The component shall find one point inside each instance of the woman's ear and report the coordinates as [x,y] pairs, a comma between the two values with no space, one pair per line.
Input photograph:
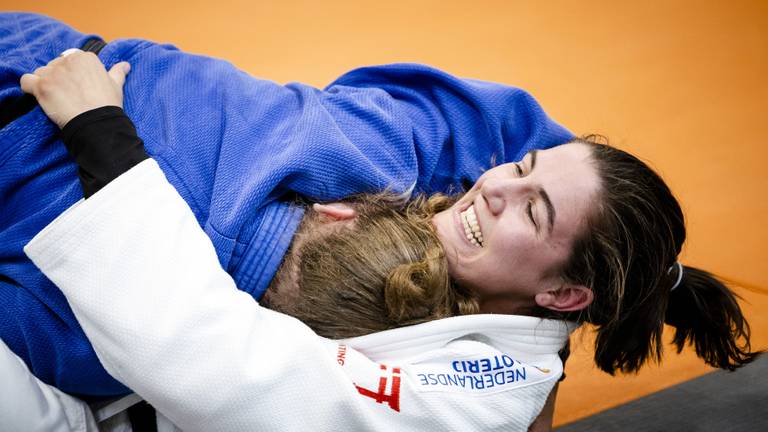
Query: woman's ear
[567,298]
[335,211]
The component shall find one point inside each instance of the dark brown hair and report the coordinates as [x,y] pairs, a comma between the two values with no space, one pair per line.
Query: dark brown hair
[627,256]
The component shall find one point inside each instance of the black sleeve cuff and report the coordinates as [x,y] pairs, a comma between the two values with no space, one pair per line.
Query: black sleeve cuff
[104,143]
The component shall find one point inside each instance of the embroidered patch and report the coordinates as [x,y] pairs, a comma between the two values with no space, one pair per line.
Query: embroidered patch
[380,394]
[376,381]
[471,375]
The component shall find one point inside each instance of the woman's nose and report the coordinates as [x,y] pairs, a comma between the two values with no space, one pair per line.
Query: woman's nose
[501,192]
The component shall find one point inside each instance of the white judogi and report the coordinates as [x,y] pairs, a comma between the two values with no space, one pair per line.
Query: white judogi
[28,404]
[165,319]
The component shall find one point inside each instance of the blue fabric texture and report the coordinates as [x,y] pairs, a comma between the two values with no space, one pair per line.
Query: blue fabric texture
[236,147]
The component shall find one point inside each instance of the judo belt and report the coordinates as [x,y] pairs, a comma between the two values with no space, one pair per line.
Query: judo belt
[12,108]
[142,417]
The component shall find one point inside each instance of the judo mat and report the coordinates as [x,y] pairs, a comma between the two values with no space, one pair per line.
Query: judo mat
[642,73]
[718,401]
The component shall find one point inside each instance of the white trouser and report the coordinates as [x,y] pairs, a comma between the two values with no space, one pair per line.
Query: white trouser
[30,405]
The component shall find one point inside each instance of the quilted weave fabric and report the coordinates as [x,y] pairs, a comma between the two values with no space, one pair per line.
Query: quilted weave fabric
[238,149]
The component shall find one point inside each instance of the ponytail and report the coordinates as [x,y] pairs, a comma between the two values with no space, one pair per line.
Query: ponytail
[707,316]
[635,233]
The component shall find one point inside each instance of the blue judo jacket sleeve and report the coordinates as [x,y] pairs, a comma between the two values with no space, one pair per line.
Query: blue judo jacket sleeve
[457,126]
[239,140]
[235,147]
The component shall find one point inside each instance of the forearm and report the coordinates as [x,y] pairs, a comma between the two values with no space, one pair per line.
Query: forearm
[158,313]
[456,126]
[104,143]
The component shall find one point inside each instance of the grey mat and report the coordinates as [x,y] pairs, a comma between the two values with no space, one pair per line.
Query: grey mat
[719,401]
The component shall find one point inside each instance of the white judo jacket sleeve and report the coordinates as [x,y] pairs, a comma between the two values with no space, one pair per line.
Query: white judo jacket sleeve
[165,319]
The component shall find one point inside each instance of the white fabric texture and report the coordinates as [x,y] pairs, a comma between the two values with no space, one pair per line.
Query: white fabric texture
[28,404]
[165,319]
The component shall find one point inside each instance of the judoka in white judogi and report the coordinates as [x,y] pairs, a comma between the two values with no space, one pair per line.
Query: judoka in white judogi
[165,319]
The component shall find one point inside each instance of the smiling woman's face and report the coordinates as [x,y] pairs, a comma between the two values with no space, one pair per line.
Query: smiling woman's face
[507,236]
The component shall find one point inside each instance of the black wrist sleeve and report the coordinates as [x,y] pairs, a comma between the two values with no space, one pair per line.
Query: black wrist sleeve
[104,143]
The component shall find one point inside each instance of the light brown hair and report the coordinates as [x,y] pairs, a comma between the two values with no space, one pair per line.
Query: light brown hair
[387,269]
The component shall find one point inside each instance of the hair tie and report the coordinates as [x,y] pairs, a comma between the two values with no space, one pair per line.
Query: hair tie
[679,274]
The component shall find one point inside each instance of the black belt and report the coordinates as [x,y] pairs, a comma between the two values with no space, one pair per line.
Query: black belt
[12,108]
[143,417]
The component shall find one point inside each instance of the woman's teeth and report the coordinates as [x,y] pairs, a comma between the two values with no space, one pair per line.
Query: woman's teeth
[471,227]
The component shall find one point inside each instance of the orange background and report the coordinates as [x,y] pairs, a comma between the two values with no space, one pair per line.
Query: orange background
[680,83]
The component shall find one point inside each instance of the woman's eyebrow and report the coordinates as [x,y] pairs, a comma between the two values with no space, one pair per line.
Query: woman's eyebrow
[550,210]
[545,197]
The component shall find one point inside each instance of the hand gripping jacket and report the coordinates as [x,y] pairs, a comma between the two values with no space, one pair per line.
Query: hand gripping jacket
[236,148]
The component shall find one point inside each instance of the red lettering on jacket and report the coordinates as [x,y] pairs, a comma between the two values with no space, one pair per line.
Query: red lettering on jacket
[392,399]
[341,355]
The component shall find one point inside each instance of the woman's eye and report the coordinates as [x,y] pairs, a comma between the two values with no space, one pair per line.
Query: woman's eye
[519,170]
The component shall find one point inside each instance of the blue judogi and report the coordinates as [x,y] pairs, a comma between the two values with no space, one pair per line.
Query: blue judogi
[236,148]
